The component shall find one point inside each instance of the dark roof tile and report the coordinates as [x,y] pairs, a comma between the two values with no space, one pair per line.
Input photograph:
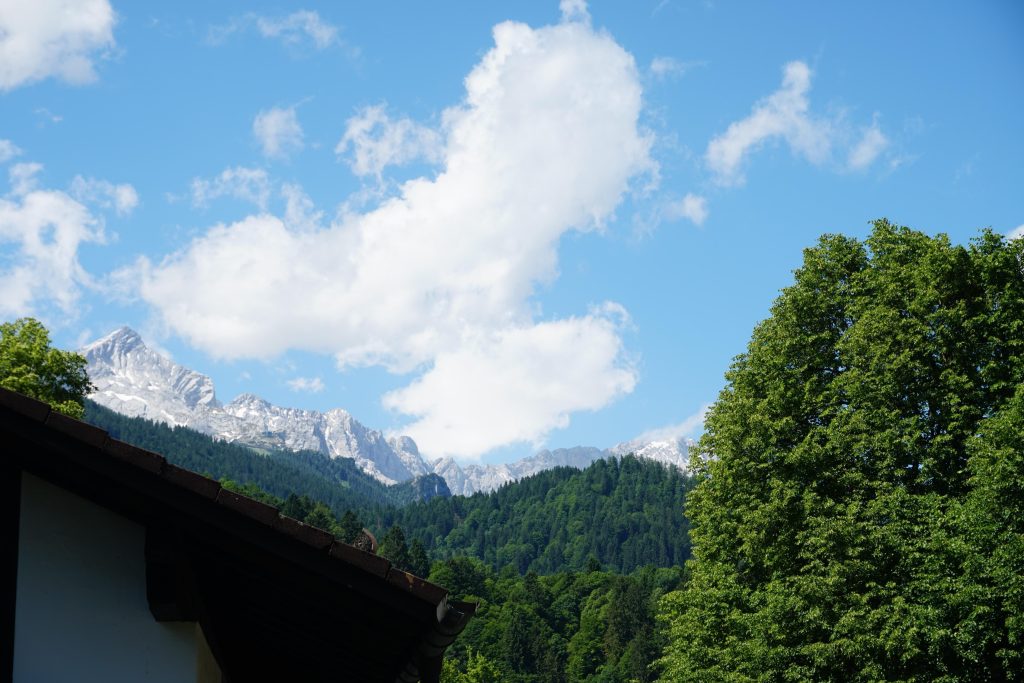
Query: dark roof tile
[197,483]
[139,457]
[360,558]
[82,431]
[310,535]
[416,585]
[261,512]
[29,407]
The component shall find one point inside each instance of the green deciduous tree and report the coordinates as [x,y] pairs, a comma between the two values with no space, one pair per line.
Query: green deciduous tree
[29,365]
[853,475]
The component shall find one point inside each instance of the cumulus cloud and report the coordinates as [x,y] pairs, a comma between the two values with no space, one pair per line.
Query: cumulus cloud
[247,184]
[313,385]
[439,277]
[278,132]
[122,198]
[58,38]
[8,150]
[785,115]
[521,382]
[40,233]
[1016,233]
[691,207]
[374,141]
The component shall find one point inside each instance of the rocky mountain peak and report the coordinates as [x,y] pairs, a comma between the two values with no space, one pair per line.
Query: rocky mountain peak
[134,380]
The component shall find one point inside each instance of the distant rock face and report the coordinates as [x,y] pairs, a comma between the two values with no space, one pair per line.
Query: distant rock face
[134,380]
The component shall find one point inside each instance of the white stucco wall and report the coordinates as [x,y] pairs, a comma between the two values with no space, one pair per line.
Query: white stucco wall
[81,611]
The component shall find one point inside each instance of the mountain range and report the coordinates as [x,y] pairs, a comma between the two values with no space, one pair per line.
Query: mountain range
[135,380]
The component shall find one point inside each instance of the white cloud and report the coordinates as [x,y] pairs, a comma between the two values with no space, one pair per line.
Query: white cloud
[574,10]
[1016,233]
[515,385]
[278,132]
[59,38]
[247,184]
[40,233]
[313,385]
[872,143]
[47,116]
[691,207]
[668,67]
[298,27]
[688,427]
[439,276]
[662,67]
[783,114]
[376,142]
[300,214]
[23,177]
[122,198]
[8,150]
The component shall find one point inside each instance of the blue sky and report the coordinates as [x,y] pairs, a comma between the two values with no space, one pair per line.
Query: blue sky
[494,227]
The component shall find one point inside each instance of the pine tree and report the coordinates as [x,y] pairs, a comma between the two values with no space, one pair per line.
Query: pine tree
[394,548]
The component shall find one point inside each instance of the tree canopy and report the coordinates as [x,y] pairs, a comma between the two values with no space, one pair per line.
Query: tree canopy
[858,515]
[31,366]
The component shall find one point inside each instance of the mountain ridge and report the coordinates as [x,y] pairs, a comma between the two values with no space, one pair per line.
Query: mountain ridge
[136,381]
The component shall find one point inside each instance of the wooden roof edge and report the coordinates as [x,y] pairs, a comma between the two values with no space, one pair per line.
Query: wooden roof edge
[265,515]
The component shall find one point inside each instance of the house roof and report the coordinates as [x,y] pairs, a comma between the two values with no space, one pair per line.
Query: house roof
[276,598]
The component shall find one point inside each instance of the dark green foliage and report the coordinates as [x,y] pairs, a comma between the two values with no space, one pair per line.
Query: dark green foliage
[571,626]
[858,514]
[30,366]
[393,547]
[322,518]
[622,514]
[349,526]
[296,507]
[419,563]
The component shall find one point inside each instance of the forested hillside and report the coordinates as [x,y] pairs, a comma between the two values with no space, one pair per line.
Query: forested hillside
[625,512]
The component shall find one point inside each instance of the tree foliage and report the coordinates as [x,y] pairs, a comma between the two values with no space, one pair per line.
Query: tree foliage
[31,366]
[858,511]
[590,626]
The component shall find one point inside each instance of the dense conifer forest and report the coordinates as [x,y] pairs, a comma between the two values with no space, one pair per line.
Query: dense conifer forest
[626,512]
